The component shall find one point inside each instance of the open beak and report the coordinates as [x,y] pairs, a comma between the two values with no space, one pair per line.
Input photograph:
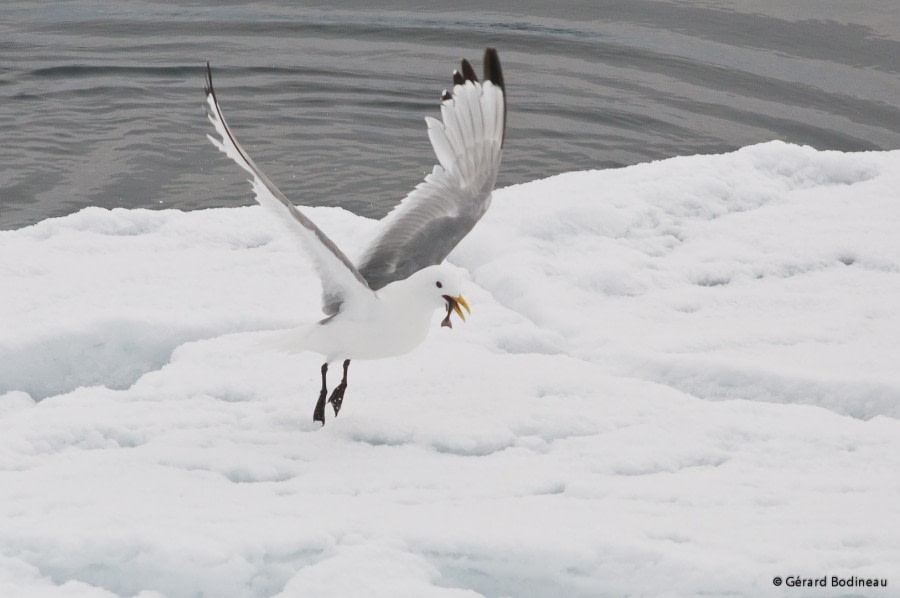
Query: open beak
[453,304]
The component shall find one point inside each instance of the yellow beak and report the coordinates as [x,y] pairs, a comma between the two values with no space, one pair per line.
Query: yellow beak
[460,301]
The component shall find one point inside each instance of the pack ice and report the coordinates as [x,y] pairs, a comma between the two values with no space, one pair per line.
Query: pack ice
[679,378]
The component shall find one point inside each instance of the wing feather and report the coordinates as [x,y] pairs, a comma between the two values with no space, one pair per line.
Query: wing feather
[451,126]
[443,149]
[425,227]
[341,281]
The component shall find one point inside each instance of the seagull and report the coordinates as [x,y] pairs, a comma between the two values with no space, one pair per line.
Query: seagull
[384,305]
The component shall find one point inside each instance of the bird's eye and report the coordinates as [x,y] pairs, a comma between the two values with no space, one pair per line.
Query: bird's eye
[439,285]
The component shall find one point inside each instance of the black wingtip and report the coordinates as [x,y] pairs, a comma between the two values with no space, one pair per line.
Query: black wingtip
[446,95]
[458,78]
[494,74]
[209,86]
[468,72]
[492,70]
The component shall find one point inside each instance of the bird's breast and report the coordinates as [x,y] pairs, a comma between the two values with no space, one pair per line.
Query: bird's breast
[383,333]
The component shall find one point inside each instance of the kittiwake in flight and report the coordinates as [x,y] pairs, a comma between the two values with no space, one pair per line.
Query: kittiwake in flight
[383,306]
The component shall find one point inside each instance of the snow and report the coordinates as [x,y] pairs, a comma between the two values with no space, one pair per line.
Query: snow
[678,378]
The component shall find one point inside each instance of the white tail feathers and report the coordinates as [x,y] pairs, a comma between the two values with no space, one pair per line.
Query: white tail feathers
[291,341]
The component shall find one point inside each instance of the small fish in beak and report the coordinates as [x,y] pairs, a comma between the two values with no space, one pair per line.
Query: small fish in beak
[453,304]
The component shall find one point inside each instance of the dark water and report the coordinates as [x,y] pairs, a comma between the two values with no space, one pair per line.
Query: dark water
[101,101]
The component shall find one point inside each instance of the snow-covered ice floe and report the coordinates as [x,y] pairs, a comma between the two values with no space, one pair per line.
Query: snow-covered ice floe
[679,378]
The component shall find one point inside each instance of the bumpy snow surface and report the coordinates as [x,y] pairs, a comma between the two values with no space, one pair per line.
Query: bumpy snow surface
[679,378]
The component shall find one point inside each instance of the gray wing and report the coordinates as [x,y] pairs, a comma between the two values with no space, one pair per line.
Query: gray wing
[341,281]
[425,227]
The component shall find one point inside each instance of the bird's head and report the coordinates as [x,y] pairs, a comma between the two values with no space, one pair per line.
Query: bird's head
[443,286]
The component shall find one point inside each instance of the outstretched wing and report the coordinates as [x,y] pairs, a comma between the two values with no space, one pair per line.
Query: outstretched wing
[423,229]
[341,281]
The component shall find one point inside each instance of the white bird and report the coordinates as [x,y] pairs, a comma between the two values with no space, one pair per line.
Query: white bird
[383,306]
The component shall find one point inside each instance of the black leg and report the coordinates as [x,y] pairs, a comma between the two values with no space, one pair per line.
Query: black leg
[319,413]
[337,396]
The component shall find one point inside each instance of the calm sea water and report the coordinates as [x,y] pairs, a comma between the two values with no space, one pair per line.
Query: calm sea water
[101,102]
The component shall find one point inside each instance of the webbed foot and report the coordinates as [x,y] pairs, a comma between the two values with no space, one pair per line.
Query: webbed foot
[337,395]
